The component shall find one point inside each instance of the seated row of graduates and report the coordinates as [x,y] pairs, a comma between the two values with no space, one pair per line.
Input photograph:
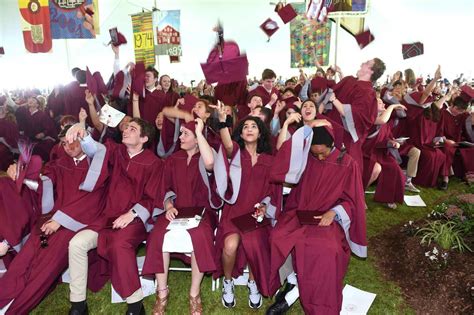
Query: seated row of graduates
[143,194]
[231,257]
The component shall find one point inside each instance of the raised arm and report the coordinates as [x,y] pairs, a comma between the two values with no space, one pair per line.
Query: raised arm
[224,130]
[283,136]
[173,113]
[385,116]
[429,88]
[204,147]
[92,112]
[135,106]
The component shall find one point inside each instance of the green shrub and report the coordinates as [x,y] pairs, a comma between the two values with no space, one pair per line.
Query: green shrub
[445,233]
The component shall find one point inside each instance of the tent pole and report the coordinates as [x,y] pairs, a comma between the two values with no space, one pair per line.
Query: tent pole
[338,26]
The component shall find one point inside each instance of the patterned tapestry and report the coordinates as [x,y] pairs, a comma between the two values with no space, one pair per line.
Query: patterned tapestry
[166,26]
[74,18]
[143,38]
[34,17]
[307,36]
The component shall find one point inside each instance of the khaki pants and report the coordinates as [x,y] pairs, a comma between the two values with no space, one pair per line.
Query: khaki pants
[79,245]
[412,165]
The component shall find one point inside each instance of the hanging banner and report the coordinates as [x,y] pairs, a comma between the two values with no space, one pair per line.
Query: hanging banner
[143,38]
[166,30]
[74,18]
[35,26]
[306,37]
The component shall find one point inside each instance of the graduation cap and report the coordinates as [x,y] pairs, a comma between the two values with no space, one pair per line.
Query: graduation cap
[286,12]
[101,87]
[190,126]
[91,83]
[110,116]
[412,50]
[467,93]
[225,64]
[116,38]
[189,102]
[2,51]
[138,79]
[269,27]
[319,84]
[364,38]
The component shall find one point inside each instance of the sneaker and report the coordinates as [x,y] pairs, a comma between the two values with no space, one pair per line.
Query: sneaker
[255,298]
[443,185]
[392,206]
[411,187]
[228,297]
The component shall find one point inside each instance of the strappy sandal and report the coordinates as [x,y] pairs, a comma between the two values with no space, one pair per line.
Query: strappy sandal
[195,305]
[160,304]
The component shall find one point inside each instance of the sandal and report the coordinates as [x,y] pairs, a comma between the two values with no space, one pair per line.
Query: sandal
[160,304]
[195,305]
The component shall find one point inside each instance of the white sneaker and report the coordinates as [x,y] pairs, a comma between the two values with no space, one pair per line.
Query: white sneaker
[411,187]
[255,298]
[228,297]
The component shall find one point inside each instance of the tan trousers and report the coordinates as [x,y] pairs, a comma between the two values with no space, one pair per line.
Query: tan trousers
[412,165]
[79,245]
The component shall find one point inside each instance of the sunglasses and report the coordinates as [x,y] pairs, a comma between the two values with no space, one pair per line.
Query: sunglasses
[43,240]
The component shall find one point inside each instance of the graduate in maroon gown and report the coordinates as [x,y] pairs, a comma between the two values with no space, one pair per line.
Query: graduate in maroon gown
[73,94]
[71,192]
[423,116]
[381,159]
[55,104]
[8,137]
[267,90]
[455,126]
[186,110]
[329,182]
[152,104]
[243,182]
[19,208]
[39,127]
[133,185]
[57,151]
[186,184]
[170,95]
[356,106]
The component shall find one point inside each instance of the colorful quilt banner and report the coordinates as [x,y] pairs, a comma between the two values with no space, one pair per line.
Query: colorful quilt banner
[35,25]
[166,26]
[143,38]
[74,18]
[306,37]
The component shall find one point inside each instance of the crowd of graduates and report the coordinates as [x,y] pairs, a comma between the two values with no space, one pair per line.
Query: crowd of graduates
[270,173]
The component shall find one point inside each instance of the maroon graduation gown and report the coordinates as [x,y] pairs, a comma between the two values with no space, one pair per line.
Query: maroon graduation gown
[8,143]
[74,194]
[422,131]
[266,97]
[150,106]
[321,253]
[188,186]
[391,182]
[241,186]
[40,122]
[75,99]
[18,211]
[360,109]
[56,103]
[454,128]
[133,183]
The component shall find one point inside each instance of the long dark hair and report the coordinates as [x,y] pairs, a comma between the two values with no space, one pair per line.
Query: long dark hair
[263,142]
[432,113]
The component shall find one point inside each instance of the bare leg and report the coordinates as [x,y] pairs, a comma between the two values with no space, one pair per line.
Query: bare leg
[231,243]
[162,278]
[375,173]
[196,277]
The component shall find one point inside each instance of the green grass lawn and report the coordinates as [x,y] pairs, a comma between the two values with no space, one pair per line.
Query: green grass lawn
[361,274]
